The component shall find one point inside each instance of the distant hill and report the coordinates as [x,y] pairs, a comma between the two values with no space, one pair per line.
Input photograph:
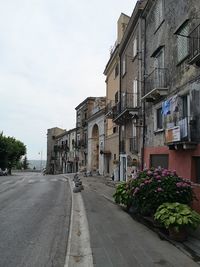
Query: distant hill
[38,164]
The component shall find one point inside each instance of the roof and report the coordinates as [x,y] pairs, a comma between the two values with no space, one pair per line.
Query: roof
[84,101]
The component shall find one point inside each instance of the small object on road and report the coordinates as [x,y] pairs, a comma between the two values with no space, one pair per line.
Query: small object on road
[78,183]
[77,189]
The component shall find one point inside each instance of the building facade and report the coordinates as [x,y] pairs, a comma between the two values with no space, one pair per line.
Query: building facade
[96,137]
[61,151]
[129,114]
[112,73]
[172,87]
[83,112]
[52,161]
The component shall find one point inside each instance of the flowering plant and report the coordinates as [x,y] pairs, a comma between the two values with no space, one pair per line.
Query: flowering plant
[122,195]
[157,186]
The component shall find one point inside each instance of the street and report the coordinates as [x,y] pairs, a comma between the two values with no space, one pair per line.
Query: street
[35,212]
[119,241]
[34,220]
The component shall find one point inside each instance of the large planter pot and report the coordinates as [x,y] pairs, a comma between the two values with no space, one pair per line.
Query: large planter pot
[179,236]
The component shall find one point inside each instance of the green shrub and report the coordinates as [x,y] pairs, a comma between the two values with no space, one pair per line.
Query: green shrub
[123,195]
[177,215]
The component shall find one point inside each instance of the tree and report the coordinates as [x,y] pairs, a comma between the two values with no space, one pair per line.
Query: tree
[25,163]
[11,151]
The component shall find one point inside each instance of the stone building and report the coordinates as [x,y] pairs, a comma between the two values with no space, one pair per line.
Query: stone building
[61,151]
[83,111]
[72,157]
[112,73]
[172,86]
[96,137]
[129,109]
[52,163]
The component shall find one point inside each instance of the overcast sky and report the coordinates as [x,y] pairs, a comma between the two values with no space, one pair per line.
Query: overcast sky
[52,56]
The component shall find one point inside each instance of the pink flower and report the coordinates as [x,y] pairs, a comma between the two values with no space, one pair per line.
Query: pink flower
[136,190]
[158,177]
[159,189]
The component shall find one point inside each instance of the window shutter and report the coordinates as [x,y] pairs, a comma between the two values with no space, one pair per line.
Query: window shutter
[182,43]
[135,47]
[135,93]
[124,66]
[158,13]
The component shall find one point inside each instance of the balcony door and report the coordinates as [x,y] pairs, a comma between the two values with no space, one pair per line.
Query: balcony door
[159,65]
[123,167]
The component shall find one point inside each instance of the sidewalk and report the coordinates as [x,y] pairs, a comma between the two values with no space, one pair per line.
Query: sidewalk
[104,187]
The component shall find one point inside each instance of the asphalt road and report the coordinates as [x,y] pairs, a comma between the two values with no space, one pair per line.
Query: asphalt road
[34,220]
[119,241]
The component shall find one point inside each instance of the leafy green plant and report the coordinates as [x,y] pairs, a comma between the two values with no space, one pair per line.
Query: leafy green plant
[122,195]
[177,215]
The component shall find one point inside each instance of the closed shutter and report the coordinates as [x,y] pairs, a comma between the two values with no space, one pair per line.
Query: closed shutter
[182,43]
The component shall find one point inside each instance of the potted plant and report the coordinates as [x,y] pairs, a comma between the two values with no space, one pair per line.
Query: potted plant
[177,217]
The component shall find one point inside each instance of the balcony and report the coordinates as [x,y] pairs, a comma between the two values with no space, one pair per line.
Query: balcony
[133,144]
[156,85]
[183,135]
[194,44]
[128,108]
[110,109]
[81,144]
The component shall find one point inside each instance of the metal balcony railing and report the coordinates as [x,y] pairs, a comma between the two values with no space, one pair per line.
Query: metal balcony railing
[133,144]
[194,44]
[129,101]
[157,79]
[109,108]
[116,110]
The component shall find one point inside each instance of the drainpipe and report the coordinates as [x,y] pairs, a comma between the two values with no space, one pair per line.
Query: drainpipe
[120,71]
[143,105]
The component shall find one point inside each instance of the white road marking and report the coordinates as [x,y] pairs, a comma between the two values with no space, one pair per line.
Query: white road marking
[54,180]
[7,182]
[79,253]
[31,181]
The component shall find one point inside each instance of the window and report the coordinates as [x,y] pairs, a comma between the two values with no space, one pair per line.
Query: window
[159,58]
[182,42]
[158,13]
[157,160]
[114,129]
[116,97]
[116,70]
[159,119]
[123,65]
[134,47]
[135,93]
[159,64]
[134,131]
[185,106]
